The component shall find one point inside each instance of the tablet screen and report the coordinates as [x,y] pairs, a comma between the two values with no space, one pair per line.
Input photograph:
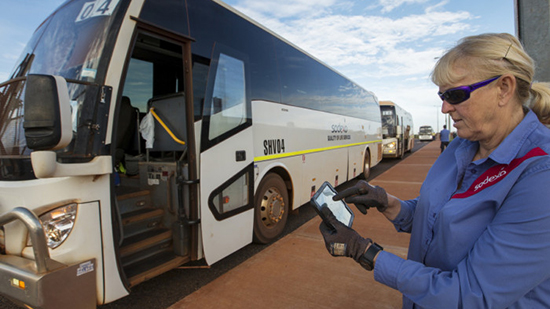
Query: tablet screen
[339,208]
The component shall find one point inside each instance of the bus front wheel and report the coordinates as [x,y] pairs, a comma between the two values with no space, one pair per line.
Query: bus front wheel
[271,207]
[401,149]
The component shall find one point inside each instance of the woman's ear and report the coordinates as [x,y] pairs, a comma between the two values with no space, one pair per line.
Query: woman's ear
[507,88]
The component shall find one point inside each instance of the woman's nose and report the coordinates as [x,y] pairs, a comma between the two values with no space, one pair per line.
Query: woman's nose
[446,107]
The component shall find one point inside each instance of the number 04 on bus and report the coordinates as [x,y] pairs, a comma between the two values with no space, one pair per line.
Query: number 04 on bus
[137,136]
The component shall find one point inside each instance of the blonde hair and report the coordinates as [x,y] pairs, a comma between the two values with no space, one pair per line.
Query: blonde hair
[492,54]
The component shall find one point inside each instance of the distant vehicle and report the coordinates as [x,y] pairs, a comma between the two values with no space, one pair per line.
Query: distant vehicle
[397,125]
[426,133]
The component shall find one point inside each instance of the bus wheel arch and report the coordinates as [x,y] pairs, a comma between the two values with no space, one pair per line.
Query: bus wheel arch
[272,205]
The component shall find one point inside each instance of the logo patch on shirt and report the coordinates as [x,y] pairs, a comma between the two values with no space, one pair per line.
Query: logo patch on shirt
[496,173]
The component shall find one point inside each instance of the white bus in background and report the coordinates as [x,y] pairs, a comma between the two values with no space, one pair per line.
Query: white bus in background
[146,134]
[426,133]
[397,130]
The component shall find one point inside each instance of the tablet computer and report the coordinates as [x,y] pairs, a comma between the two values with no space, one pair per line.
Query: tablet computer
[340,209]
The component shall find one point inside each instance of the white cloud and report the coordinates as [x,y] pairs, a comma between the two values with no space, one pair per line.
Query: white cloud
[389,5]
[437,6]
[393,45]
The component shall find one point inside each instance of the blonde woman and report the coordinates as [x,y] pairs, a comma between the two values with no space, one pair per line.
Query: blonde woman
[480,228]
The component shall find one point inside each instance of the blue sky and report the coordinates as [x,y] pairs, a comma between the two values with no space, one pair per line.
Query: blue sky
[386,46]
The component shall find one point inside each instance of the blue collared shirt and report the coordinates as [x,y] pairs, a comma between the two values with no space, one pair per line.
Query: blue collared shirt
[444,135]
[480,231]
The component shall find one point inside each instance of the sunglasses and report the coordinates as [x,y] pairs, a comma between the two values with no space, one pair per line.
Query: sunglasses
[462,93]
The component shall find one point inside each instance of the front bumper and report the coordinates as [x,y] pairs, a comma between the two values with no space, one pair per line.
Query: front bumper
[43,282]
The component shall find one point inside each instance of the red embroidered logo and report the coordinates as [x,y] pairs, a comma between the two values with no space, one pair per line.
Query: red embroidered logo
[497,173]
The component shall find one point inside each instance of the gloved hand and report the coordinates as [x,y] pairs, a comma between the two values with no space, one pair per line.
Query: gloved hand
[364,196]
[340,240]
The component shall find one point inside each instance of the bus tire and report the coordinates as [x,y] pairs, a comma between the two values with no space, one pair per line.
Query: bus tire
[366,166]
[271,208]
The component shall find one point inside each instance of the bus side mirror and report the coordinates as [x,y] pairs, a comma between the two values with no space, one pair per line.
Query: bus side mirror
[47,120]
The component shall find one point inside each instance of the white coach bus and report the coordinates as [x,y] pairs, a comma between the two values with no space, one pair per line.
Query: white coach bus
[426,133]
[137,136]
[397,130]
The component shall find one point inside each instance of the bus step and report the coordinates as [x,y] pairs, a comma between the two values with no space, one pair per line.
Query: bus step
[137,257]
[141,220]
[140,215]
[144,241]
[133,201]
[153,266]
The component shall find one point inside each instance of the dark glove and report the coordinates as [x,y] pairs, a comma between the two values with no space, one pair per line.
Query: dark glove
[364,196]
[340,240]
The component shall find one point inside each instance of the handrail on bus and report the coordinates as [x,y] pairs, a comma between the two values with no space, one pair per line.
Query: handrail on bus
[177,140]
[33,224]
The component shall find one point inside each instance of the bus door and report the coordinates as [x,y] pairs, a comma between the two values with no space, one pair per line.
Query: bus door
[154,146]
[226,168]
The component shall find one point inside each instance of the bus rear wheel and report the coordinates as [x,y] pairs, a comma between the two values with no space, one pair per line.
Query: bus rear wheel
[366,167]
[271,207]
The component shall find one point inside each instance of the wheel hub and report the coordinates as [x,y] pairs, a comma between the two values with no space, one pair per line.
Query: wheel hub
[272,208]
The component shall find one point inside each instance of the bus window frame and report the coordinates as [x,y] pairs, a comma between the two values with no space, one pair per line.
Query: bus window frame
[249,173]
[206,142]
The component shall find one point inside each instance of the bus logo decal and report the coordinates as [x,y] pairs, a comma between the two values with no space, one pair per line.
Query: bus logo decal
[338,133]
[339,128]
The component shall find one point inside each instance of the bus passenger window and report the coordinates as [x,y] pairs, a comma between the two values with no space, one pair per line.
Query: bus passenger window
[228,105]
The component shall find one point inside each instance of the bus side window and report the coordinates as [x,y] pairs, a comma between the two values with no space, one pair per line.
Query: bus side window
[230,197]
[228,104]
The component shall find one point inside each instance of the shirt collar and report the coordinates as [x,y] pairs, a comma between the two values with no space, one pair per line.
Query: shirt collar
[512,144]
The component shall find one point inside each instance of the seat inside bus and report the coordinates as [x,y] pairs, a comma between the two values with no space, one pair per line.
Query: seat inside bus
[171,111]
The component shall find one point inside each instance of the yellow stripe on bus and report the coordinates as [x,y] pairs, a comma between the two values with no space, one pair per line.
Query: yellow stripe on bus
[296,153]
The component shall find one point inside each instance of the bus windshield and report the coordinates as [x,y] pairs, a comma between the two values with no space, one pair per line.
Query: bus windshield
[388,121]
[73,43]
[426,130]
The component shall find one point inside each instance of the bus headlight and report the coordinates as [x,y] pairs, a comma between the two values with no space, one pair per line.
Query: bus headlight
[390,145]
[58,224]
